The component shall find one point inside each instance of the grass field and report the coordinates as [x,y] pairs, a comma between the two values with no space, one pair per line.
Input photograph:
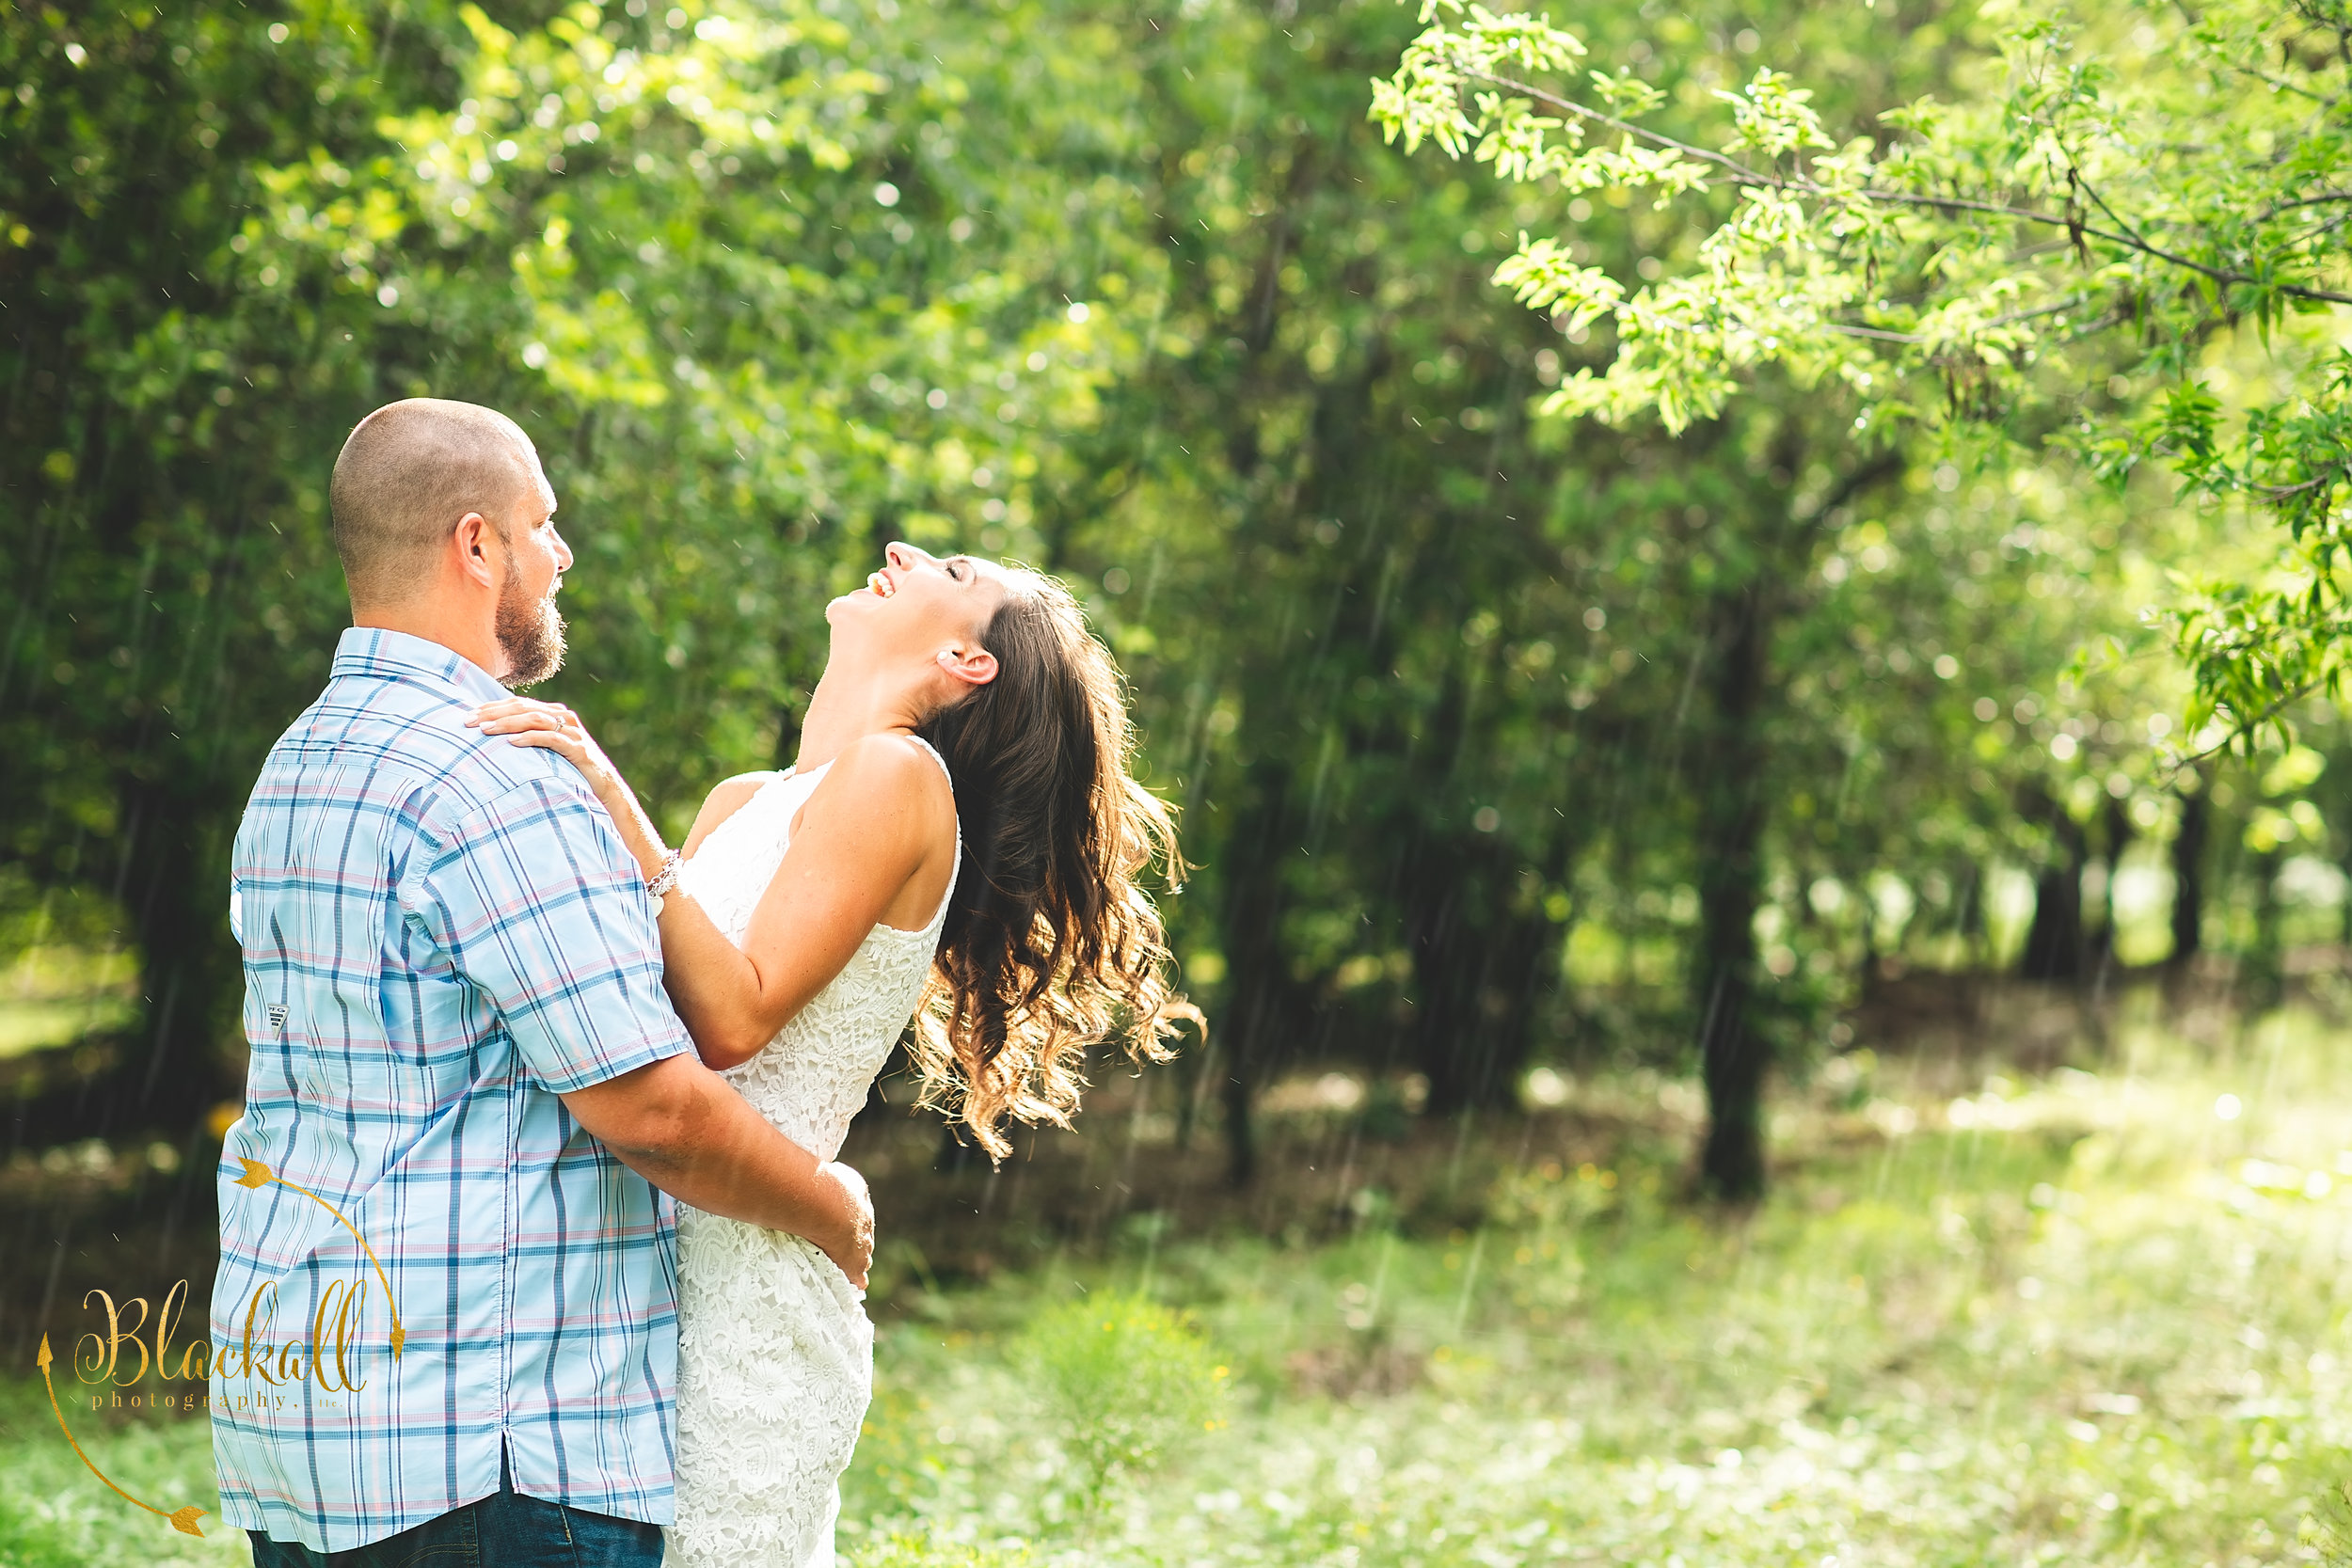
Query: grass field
[2096,1316]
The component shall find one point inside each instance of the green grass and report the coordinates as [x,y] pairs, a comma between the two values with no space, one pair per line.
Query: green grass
[55,1513]
[2081,1328]
[2080,1319]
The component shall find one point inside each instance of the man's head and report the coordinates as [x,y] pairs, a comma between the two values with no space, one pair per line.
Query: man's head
[444,519]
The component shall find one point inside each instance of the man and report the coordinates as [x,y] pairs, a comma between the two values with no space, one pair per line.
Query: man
[445,1319]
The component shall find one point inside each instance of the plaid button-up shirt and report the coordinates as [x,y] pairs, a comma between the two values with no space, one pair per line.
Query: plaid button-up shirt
[442,932]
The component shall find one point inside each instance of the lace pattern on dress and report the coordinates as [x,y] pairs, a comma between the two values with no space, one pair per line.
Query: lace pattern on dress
[776,1354]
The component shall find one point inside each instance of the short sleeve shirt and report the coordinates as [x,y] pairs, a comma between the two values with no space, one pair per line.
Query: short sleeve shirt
[442,932]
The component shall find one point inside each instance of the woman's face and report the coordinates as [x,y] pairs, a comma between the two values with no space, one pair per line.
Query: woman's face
[919,604]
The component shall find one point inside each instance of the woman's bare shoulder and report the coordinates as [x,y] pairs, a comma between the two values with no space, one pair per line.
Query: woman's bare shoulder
[887,796]
[724,801]
[893,761]
[881,776]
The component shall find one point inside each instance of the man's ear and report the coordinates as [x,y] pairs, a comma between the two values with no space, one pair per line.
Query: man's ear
[472,541]
[973,666]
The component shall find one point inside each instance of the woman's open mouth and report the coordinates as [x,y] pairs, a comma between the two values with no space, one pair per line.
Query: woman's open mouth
[881,585]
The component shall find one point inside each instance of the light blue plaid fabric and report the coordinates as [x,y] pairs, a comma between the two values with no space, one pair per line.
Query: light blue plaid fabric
[442,932]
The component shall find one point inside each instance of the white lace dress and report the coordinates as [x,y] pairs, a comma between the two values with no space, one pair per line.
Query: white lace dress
[776,1354]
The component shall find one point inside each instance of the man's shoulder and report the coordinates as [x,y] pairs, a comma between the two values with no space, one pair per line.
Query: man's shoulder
[408,743]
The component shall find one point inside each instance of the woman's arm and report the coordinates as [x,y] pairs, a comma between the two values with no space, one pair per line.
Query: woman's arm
[875,820]
[872,831]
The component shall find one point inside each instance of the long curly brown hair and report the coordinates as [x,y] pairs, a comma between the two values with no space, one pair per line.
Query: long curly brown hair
[1051,942]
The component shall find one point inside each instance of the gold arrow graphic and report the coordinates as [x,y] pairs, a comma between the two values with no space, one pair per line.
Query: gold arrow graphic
[184,1520]
[258,1174]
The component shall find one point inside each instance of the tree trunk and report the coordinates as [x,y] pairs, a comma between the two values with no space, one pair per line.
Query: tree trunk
[2189,875]
[1733,1053]
[2117,823]
[2057,943]
[191,972]
[2263,973]
[1478,970]
[1261,1011]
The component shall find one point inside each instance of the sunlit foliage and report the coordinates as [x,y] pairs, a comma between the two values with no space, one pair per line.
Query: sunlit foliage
[2072,223]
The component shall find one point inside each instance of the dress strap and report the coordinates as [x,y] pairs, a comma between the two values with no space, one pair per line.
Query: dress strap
[935,756]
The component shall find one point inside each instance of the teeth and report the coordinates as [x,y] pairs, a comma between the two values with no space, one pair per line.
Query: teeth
[881,585]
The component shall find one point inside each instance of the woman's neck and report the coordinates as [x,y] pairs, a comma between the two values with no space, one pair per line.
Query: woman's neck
[848,706]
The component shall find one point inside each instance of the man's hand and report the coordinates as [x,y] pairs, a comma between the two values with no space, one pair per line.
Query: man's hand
[856,1254]
[681,1127]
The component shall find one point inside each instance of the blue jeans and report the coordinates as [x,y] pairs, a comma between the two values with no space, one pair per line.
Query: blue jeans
[505,1531]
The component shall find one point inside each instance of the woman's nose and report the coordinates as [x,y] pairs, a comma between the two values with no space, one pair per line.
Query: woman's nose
[901,554]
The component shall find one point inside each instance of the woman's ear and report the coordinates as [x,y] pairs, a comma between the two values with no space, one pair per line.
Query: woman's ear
[973,665]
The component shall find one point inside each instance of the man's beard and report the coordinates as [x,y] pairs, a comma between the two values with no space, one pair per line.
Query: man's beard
[529,633]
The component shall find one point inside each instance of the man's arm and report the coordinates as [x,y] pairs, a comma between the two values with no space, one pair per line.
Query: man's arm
[679,1125]
[539,906]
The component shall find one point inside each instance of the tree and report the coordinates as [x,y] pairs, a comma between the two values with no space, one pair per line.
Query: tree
[166,403]
[737,276]
[2066,232]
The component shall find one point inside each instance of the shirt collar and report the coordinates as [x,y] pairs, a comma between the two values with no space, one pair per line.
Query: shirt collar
[374,652]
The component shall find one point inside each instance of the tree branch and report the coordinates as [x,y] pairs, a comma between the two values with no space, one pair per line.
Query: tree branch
[1743,175]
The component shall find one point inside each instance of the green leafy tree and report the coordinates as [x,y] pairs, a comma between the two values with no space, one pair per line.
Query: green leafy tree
[168,400]
[763,285]
[2072,228]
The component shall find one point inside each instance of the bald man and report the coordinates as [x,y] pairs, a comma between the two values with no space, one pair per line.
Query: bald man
[445,1303]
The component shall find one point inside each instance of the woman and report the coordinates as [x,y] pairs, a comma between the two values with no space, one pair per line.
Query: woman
[959,838]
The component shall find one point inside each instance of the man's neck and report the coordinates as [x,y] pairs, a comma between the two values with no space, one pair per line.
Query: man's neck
[434,623]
